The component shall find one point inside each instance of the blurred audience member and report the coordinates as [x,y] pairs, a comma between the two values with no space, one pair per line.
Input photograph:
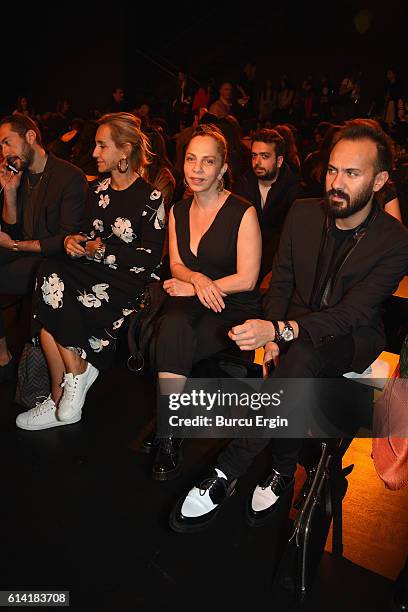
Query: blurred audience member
[23,107]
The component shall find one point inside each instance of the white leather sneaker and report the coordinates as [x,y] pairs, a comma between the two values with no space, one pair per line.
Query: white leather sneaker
[42,416]
[75,390]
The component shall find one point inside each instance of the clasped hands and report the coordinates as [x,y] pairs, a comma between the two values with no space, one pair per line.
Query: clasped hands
[73,246]
[200,285]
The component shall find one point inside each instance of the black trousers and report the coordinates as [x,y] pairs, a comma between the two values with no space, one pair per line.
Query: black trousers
[188,332]
[17,275]
[300,360]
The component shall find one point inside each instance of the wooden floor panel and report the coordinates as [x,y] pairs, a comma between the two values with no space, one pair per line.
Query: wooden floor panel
[375,519]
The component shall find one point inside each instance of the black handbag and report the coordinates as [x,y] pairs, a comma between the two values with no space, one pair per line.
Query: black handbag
[306,543]
[142,327]
[33,380]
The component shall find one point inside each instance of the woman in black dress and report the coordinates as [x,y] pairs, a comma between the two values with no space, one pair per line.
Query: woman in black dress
[215,254]
[83,301]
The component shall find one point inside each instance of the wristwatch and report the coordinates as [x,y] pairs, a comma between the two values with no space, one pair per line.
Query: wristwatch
[286,335]
[99,253]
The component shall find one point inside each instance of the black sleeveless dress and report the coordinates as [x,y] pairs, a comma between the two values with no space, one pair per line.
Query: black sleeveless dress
[189,332]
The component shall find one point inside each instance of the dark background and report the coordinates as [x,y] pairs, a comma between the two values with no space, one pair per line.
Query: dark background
[83,53]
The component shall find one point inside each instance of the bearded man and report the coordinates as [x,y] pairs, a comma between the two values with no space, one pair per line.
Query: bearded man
[271,187]
[43,201]
[338,261]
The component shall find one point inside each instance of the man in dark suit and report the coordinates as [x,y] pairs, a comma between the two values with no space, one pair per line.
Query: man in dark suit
[271,187]
[44,200]
[338,261]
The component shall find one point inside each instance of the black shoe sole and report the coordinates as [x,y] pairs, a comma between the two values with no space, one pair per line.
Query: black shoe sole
[183,527]
[169,475]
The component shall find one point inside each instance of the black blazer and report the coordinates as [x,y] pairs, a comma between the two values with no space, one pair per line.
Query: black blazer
[367,278]
[280,198]
[59,205]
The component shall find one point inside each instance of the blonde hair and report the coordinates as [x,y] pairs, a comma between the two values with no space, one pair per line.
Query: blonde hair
[125,129]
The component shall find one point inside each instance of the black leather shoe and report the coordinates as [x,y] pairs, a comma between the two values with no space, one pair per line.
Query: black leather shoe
[198,509]
[167,464]
[150,444]
[7,371]
[266,498]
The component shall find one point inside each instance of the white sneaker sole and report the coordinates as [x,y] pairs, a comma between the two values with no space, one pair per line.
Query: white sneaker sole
[48,425]
[68,414]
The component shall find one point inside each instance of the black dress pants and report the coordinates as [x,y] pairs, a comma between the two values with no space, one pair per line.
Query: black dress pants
[300,359]
[17,275]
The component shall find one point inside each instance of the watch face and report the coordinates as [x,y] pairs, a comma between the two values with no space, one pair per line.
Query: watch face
[287,334]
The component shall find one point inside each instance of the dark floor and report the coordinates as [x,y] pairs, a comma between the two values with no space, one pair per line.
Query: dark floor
[79,512]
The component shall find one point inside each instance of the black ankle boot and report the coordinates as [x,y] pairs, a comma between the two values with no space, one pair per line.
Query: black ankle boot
[150,443]
[167,464]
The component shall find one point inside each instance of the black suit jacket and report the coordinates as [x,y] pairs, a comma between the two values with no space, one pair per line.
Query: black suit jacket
[367,278]
[280,198]
[59,205]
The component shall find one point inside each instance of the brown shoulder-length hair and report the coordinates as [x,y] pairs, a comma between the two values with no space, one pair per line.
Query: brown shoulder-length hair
[125,129]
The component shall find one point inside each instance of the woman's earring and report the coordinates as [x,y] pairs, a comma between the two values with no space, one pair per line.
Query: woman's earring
[220,186]
[123,165]
[187,186]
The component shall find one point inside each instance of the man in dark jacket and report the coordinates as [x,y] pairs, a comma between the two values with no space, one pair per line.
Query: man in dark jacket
[338,261]
[272,187]
[44,200]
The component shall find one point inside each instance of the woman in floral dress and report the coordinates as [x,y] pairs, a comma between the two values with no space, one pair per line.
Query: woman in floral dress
[84,299]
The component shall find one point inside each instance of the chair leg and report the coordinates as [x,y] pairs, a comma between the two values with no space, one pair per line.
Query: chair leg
[337,500]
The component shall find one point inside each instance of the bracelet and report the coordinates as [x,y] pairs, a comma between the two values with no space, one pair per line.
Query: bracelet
[99,253]
[278,336]
[15,245]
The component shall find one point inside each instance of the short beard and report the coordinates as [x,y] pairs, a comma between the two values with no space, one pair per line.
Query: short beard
[269,176]
[27,156]
[353,206]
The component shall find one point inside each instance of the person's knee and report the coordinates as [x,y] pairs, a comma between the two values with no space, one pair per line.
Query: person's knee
[300,360]
[172,326]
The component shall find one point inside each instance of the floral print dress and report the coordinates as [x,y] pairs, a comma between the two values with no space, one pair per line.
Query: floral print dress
[84,303]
